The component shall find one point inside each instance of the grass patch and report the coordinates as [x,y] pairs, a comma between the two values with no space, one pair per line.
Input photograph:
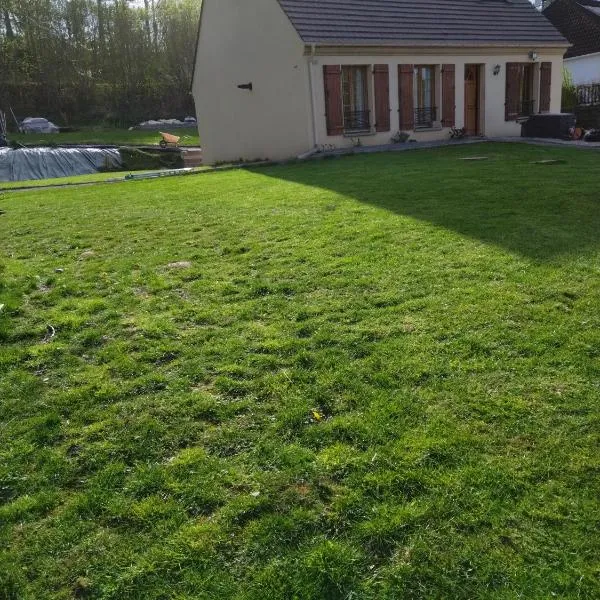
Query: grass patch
[77,179]
[372,377]
[117,137]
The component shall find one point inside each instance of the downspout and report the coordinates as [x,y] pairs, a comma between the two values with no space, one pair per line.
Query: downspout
[313,103]
[539,87]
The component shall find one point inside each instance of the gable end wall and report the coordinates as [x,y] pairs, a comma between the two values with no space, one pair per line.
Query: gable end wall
[242,42]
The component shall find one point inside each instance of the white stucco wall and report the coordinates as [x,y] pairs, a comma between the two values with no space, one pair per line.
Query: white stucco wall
[584,69]
[244,41]
[493,88]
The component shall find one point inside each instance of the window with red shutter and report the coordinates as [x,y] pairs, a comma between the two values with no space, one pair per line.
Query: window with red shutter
[355,99]
[519,90]
[448,95]
[332,76]
[425,108]
[406,77]
[381,76]
[545,86]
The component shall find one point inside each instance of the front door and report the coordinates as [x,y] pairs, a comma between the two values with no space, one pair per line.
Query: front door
[472,99]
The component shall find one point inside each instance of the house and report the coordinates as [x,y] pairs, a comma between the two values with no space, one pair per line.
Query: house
[579,22]
[276,78]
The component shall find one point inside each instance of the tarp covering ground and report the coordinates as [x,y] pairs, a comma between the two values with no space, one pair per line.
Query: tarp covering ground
[46,163]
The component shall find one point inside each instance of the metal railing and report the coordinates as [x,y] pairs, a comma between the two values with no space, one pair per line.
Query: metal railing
[527,107]
[523,108]
[425,117]
[357,120]
[588,95]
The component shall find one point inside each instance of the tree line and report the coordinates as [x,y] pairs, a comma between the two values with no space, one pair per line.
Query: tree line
[113,62]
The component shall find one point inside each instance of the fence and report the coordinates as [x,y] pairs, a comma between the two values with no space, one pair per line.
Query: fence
[588,95]
[584,102]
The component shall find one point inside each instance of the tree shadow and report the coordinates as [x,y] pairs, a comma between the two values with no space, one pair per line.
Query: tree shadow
[511,199]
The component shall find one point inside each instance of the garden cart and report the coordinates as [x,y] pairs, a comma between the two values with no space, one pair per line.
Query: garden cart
[169,140]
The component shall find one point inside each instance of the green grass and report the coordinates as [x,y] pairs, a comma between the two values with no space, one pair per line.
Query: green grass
[376,378]
[77,179]
[108,136]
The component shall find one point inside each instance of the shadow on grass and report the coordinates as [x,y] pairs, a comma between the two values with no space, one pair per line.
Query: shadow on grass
[540,211]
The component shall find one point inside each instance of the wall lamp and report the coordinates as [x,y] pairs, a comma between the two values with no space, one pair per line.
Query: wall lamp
[533,55]
[245,86]
[497,70]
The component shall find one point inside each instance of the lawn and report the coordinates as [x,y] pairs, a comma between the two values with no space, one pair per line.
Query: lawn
[117,137]
[370,378]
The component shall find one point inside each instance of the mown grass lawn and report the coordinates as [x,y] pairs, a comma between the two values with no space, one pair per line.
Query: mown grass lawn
[98,135]
[375,377]
[76,179]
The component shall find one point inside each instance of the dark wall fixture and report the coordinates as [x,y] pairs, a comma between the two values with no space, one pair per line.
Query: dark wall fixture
[245,86]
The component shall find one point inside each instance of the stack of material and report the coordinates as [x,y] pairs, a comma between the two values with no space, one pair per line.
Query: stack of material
[46,163]
[155,125]
[548,126]
[192,157]
[38,125]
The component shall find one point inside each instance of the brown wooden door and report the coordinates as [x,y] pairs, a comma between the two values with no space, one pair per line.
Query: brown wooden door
[472,99]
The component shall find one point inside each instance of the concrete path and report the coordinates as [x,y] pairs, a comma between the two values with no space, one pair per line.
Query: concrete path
[407,146]
[551,142]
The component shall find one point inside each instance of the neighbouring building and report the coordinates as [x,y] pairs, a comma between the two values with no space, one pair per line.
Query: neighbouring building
[276,78]
[579,22]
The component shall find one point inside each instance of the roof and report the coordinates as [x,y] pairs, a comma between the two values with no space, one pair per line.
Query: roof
[579,22]
[594,9]
[420,22]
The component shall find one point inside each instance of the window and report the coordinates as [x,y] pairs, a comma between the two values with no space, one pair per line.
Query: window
[520,98]
[526,90]
[355,99]
[425,109]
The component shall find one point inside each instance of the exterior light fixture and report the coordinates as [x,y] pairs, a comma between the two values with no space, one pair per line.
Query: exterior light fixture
[533,55]
[497,70]
[245,86]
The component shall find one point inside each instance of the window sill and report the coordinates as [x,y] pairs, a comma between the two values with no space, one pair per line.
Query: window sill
[358,133]
[435,127]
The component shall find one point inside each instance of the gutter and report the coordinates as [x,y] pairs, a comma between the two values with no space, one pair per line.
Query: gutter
[339,43]
[389,49]
[590,55]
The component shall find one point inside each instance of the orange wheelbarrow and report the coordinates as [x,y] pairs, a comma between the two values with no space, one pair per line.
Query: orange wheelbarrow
[169,140]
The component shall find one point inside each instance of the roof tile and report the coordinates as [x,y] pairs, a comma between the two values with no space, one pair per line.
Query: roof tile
[579,22]
[399,22]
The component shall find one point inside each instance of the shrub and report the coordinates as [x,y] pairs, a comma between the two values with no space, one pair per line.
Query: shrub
[569,92]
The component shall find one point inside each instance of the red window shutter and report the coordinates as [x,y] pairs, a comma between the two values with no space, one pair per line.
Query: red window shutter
[448,96]
[406,74]
[332,75]
[545,86]
[381,76]
[513,91]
